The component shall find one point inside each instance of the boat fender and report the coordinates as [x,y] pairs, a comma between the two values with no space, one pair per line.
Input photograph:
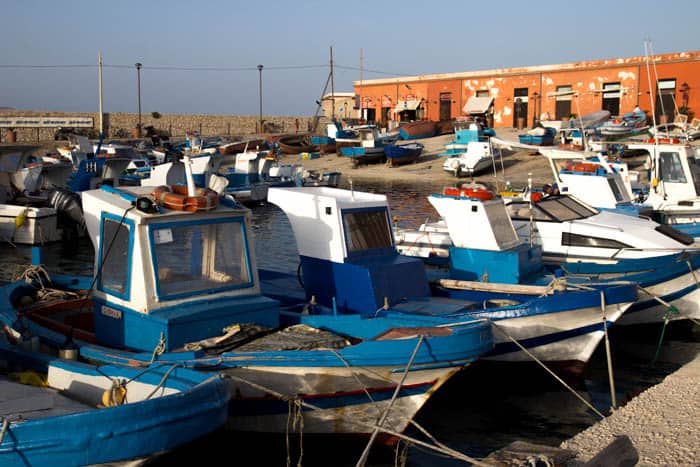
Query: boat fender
[115,395]
[176,197]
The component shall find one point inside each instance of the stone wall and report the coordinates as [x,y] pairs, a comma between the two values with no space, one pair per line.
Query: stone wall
[120,125]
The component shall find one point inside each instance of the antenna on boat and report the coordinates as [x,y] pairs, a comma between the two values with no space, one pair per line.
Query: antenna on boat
[655,179]
[529,187]
[332,88]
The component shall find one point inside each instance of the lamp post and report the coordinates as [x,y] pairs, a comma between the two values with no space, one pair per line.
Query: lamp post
[260,68]
[138,87]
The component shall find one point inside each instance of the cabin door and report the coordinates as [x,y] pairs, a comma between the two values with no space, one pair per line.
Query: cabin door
[520,109]
[445,106]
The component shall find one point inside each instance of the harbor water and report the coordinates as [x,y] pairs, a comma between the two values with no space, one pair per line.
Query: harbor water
[480,410]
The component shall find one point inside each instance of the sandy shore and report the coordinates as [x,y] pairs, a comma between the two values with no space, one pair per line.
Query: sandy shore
[516,166]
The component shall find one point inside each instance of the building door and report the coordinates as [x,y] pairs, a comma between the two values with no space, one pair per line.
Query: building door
[665,100]
[371,115]
[611,98]
[562,108]
[386,114]
[445,106]
[520,106]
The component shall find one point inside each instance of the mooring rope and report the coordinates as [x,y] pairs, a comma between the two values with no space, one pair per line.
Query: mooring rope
[608,356]
[5,425]
[295,420]
[670,312]
[363,458]
[354,375]
[588,404]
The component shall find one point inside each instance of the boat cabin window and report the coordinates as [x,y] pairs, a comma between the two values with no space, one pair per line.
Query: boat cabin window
[115,254]
[191,257]
[617,192]
[570,239]
[671,169]
[694,165]
[367,230]
[551,209]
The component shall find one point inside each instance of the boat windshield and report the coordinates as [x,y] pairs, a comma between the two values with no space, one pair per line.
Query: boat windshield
[671,167]
[694,164]
[551,209]
[192,258]
[367,229]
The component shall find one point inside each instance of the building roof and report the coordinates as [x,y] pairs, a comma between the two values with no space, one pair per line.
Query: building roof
[611,62]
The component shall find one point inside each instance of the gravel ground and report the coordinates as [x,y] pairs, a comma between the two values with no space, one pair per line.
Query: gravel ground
[516,165]
[663,423]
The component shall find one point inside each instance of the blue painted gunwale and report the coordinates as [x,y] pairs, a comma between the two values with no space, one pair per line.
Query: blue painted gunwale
[463,343]
[116,433]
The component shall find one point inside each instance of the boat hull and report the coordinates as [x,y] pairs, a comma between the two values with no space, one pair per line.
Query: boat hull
[133,430]
[330,400]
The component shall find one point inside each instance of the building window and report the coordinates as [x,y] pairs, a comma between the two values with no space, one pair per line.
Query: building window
[562,107]
[482,93]
[611,98]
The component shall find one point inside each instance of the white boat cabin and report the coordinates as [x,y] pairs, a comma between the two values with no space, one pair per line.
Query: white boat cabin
[166,275]
[347,250]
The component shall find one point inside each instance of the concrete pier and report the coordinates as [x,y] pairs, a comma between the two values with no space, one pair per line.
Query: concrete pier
[663,423]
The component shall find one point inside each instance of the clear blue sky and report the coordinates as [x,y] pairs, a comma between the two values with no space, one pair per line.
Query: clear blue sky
[292,40]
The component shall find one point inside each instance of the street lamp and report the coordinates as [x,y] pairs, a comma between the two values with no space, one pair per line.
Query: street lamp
[138,86]
[260,68]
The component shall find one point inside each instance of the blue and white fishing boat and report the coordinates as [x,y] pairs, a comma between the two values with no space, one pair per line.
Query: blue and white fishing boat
[176,282]
[370,146]
[631,122]
[61,412]
[597,246]
[349,261]
[671,197]
[466,131]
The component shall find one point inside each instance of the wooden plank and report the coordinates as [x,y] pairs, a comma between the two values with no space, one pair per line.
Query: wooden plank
[495,287]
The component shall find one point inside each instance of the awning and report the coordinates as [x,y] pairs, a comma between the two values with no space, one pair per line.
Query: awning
[478,105]
[558,94]
[407,105]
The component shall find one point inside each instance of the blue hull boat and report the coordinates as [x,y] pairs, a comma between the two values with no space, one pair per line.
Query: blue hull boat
[352,264]
[84,415]
[398,154]
[181,288]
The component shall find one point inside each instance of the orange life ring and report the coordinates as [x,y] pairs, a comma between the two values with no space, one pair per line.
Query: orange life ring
[474,193]
[665,140]
[175,197]
[583,167]
[536,196]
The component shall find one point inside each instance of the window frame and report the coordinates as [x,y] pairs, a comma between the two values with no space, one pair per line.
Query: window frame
[129,224]
[175,224]
[370,251]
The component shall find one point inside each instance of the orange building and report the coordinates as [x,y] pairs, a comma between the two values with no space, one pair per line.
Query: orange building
[517,97]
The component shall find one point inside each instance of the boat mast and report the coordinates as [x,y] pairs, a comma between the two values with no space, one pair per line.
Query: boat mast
[332,89]
[361,111]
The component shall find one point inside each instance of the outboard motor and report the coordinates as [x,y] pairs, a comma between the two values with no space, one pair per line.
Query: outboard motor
[69,212]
